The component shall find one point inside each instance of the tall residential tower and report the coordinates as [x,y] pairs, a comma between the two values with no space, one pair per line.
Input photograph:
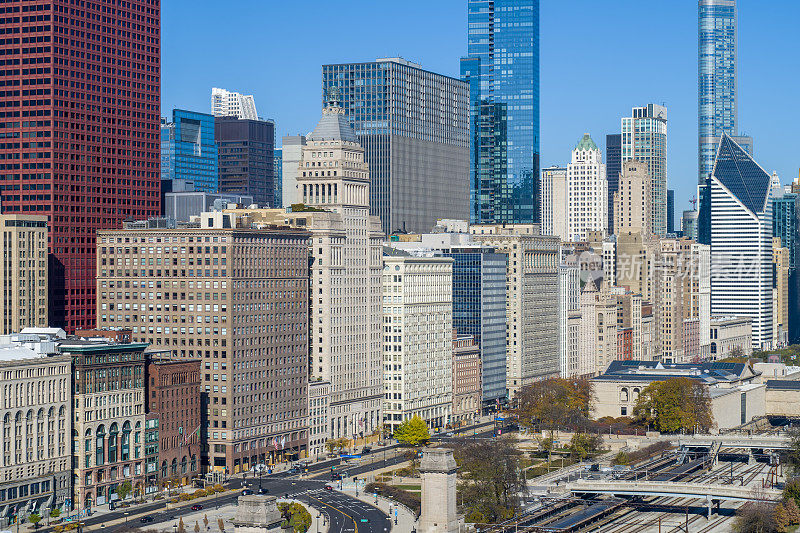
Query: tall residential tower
[717,102]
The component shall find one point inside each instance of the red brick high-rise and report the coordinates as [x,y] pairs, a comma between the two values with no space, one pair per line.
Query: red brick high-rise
[79,129]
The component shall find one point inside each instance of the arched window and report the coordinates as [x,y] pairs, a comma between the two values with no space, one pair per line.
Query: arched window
[100,445]
[113,433]
[126,441]
[183,465]
[163,469]
[636,392]
[174,466]
[623,394]
[194,463]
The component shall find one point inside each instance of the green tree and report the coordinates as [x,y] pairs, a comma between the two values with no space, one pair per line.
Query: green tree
[554,401]
[675,404]
[295,516]
[583,445]
[34,518]
[55,512]
[124,490]
[412,432]
[621,459]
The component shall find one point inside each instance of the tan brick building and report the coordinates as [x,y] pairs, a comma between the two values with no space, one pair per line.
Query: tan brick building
[234,295]
[23,276]
[466,379]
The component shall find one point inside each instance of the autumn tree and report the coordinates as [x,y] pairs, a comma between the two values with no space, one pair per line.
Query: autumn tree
[675,404]
[413,432]
[491,479]
[755,517]
[554,401]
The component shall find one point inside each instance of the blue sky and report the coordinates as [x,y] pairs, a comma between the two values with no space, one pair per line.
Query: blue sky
[598,59]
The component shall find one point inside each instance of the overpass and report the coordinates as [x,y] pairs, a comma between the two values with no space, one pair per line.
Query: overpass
[767,442]
[708,492]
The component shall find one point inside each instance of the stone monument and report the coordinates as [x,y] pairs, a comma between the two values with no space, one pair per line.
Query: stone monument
[438,471]
[257,513]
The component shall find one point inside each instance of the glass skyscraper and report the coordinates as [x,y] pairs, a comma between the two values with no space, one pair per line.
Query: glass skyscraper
[786,226]
[188,150]
[717,81]
[502,68]
[414,127]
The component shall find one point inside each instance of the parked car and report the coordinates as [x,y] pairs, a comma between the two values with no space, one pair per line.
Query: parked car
[146,519]
[365,450]
[247,492]
[196,507]
[328,487]
[263,490]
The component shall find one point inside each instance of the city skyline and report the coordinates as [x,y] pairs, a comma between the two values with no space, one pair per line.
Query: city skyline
[438,40]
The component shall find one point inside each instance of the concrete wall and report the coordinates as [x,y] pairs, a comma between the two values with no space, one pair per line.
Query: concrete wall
[783,402]
[727,408]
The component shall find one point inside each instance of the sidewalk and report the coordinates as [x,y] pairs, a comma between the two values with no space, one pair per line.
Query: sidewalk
[406,521]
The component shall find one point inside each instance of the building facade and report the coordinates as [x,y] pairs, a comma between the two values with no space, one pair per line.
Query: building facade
[786,226]
[568,303]
[633,201]
[247,158]
[189,151]
[613,170]
[234,297]
[479,310]
[670,211]
[554,195]
[92,184]
[417,340]
[740,215]
[504,110]
[183,206]
[531,300]
[23,272]
[290,160]
[226,103]
[109,419]
[173,397]
[730,337]
[346,314]
[318,417]
[36,400]
[277,165]
[587,191]
[467,397]
[413,125]
[644,138]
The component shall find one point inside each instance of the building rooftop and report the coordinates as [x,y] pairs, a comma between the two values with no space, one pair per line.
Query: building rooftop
[586,143]
[647,371]
[333,126]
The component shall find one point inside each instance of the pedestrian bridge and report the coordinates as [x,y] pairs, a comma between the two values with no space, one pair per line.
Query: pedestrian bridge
[683,490]
[767,442]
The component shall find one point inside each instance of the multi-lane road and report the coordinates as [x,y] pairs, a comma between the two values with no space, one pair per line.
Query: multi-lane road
[345,513]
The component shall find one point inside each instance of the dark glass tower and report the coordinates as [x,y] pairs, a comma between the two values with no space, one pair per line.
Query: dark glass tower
[613,170]
[670,211]
[502,68]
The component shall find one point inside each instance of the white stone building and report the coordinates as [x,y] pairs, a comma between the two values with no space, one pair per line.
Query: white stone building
[568,294]
[232,104]
[345,312]
[318,417]
[554,202]
[587,191]
[417,339]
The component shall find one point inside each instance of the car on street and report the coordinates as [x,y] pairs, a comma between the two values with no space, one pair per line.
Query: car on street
[196,507]
[328,487]
[263,490]
[366,449]
[146,519]
[247,492]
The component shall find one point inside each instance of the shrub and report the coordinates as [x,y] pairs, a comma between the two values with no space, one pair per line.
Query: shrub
[409,499]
